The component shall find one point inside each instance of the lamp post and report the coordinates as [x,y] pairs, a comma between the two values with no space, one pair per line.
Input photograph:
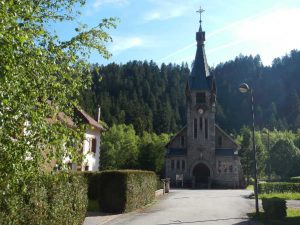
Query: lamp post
[244,88]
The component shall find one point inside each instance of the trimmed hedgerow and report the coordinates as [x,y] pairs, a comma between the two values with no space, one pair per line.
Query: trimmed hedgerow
[125,190]
[295,179]
[275,208]
[46,199]
[278,187]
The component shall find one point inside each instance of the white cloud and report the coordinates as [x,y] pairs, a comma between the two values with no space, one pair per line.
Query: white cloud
[99,3]
[168,9]
[121,44]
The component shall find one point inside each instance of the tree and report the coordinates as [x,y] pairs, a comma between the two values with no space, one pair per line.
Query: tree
[119,149]
[245,153]
[284,155]
[152,151]
[40,76]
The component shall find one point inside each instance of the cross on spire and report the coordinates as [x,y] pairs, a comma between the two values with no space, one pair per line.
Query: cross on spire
[200,11]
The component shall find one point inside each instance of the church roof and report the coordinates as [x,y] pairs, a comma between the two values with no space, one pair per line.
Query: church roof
[176,152]
[224,152]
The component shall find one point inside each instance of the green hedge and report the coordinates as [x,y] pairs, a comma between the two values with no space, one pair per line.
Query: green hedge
[124,190]
[278,187]
[275,208]
[48,199]
[295,179]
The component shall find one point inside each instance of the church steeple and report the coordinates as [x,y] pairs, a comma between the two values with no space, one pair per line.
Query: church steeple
[199,77]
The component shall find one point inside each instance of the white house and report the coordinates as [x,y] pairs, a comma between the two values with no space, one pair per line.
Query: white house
[91,142]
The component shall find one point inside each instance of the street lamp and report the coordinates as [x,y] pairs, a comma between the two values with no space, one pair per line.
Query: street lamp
[244,88]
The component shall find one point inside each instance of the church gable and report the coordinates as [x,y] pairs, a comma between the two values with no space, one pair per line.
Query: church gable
[223,140]
[179,140]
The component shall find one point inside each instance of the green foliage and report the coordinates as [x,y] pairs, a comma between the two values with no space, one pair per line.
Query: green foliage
[122,149]
[278,187]
[284,156]
[295,179]
[125,190]
[275,208]
[46,199]
[284,195]
[152,151]
[40,76]
[152,97]
[119,149]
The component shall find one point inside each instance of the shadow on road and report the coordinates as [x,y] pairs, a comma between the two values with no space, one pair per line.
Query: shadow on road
[212,220]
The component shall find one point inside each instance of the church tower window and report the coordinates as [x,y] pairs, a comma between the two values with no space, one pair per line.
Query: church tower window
[195,129]
[178,164]
[172,164]
[201,123]
[200,97]
[206,128]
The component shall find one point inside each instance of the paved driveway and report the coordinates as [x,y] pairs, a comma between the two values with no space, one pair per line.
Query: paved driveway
[194,207]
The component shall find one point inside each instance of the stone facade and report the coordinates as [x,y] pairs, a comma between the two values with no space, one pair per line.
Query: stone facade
[202,153]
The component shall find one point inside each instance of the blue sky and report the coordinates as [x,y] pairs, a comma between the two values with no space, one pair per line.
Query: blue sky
[164,30]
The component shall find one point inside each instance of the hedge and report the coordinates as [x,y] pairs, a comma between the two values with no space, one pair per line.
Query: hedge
[275,208]
[122,190]
[295,179]
[278,187]
[48,199]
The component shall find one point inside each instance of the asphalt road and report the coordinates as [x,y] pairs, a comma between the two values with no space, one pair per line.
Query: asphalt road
[212,207]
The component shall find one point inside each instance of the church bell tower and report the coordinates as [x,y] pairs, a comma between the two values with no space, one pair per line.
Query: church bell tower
[201,100]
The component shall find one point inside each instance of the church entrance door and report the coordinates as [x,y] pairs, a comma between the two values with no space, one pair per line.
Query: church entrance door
[201,175]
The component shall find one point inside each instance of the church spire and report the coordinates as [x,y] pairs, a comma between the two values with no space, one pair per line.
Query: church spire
[198,79]
[200,36]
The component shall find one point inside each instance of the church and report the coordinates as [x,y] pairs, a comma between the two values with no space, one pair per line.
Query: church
[201,154]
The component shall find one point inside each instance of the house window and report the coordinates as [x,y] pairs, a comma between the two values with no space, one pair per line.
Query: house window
[201,123]
[206,128]
[86,168]
[220,141]
[183,164]
[200,98]
[172,164]
[178,164]
[93,145]
[182,140]
[195,128]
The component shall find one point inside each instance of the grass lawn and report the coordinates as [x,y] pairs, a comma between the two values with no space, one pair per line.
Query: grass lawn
[250,188]
[286,196]
[293,218]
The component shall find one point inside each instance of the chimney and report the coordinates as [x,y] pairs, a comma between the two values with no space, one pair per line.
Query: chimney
[99,114]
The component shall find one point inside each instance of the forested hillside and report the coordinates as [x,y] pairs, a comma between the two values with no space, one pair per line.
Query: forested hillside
[152,97]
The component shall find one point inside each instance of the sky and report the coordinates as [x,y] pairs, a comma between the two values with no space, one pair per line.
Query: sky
[164,30]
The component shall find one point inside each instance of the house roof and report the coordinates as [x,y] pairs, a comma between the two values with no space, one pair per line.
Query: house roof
[224,152]
[88,119]
[176,152]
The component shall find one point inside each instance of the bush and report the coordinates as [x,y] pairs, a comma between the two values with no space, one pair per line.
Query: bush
[295,179]
[278,187]
[47,199]
[275,208]
[125,190]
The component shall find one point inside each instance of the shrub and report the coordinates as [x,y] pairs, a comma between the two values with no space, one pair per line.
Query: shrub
[278,187]
[275,208]
[295,179]
[93,182]
[125,190]
[49,199]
